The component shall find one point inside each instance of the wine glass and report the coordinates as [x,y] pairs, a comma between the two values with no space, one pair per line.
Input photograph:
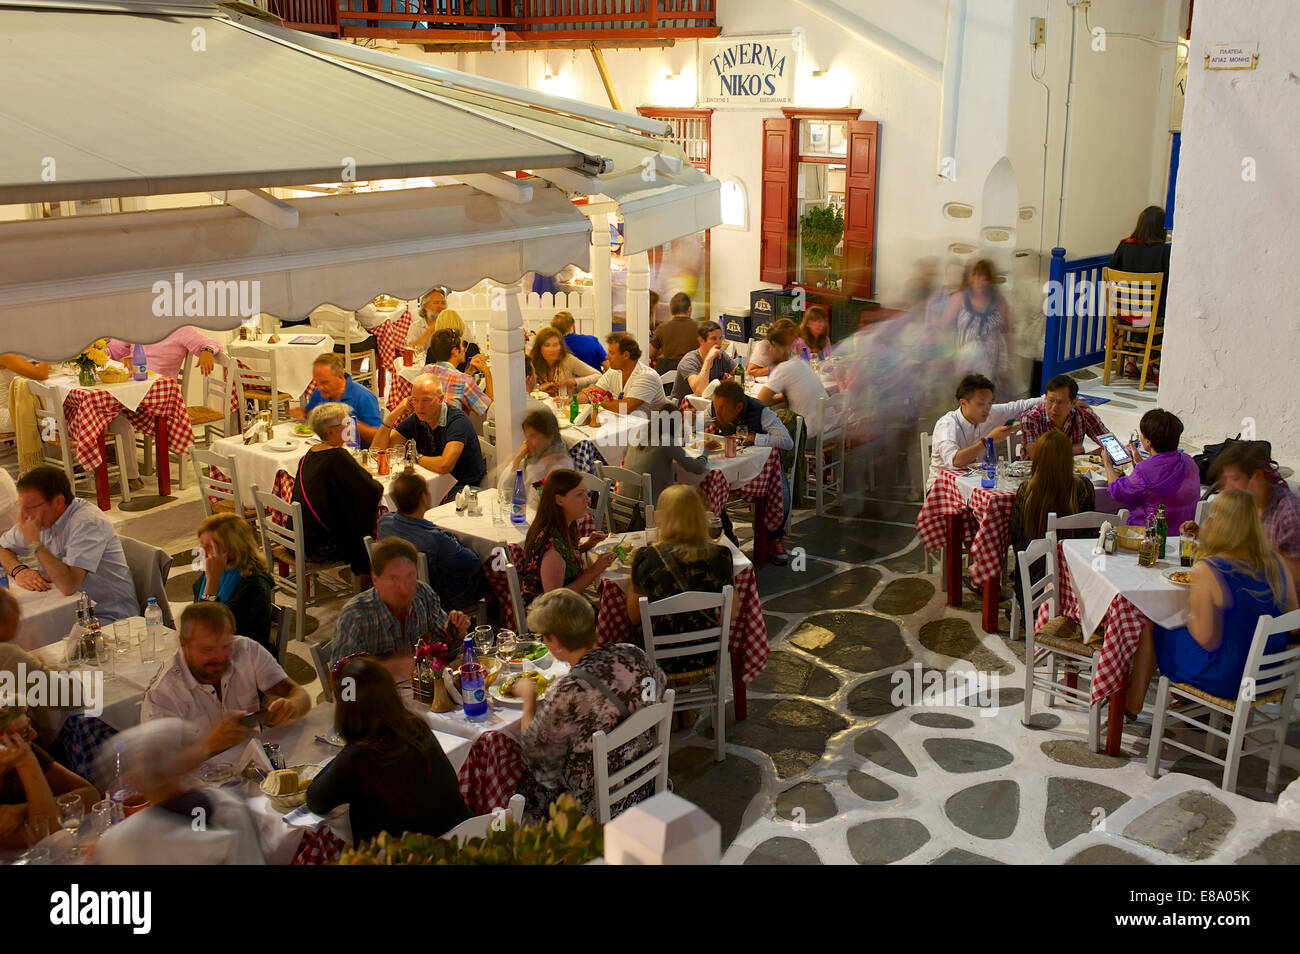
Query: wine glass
[742,435]
[507,642]
[71,813]
[484,641]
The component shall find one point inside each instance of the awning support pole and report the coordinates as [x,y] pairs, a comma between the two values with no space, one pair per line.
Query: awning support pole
[260,205]
[600,281]
[638,297]
[599,57]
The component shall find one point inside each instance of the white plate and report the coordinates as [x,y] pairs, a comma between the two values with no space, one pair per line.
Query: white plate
[1168,575]
[281,444]
[494,691]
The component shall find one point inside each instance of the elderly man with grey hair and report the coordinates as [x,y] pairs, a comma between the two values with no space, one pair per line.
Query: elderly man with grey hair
[443,434]
[340,501]
[183,825]
[604,685]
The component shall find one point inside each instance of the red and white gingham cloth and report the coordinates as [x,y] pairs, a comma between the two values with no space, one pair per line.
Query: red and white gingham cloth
[501,586]
[319,847]
[748,641]
[391,335]
[90,410]
[987,536]
[398,391]
[766,486]
[492,771]
[1123,622]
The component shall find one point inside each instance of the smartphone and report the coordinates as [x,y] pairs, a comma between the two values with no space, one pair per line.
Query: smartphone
[254,719]
[1114,448]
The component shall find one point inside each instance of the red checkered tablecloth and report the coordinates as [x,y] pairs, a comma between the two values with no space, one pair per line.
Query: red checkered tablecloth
[766,486]
[987,536]
[495,572]
[319,847]
[398,391]
[749,640]
[492,771]
[391,335]
[90,410]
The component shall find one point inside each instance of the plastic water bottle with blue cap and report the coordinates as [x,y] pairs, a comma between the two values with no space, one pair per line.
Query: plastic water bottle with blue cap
[990,465]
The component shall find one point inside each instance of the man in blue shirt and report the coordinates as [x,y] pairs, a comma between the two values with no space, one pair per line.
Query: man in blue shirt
[586,348]
[443,434]
[333,383]
[455,571]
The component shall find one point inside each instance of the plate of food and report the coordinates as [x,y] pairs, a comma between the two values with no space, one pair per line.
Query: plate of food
[1181,577]
[302,430]
[286,789]
[503,690]
[1020,468]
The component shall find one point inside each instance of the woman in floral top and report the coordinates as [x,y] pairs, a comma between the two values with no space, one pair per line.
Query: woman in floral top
[605,685]
[553,555]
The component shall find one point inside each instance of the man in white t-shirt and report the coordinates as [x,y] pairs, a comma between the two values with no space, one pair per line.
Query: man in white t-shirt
[792,380]
[635,388]
[959,435]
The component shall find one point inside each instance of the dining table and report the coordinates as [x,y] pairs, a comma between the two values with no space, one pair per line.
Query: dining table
[753,474]
[45,616]
[293,354]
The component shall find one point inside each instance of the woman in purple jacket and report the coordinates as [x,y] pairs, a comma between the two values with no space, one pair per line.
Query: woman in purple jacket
[1167,477]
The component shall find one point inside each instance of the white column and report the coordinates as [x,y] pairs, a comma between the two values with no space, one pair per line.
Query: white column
[600,283]
[638,299]
[509,388]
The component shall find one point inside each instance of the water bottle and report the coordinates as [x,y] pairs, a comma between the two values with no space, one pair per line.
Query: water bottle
[119,790]
[519,502]
[989,480]
[806,357]
[153,622]
[473,691]
[139,366]
[468,654]
[351,436]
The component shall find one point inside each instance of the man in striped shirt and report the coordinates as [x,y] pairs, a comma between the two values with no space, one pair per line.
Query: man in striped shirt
[459,389]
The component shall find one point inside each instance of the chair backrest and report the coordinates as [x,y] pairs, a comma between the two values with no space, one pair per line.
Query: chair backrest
[927,445]
[150,566]
[337,324]
[49,408]
[1202,510]
[421,560]
[830,414]
[1267,672]
[210,486]
[1044,589]
[695,643]
[669,379]
[253,367]
[214,388]
[602,489]
[480,825]
[320,659]
[633,488]
[1088,520]
[516,599]
[489,452]
[283,630]
[800,436]
[288,535]
[1133,293]
[650,767]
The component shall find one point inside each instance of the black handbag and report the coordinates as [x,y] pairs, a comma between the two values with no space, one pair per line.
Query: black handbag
[1205,459]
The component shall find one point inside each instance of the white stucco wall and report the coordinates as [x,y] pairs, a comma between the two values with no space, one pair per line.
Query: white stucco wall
[1233,335]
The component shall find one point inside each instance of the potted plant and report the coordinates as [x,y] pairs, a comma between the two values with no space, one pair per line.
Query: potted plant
[820,228]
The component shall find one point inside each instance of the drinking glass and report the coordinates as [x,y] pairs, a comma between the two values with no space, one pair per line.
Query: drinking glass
[121,631]
[101,817]
[742,435]
[484,641]
[36,830]
[715,525]
[506,644]
[71,813]
[1186,550]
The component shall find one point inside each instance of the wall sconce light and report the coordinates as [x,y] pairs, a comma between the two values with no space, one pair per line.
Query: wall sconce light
[818,72]
[550,73]
[670,75]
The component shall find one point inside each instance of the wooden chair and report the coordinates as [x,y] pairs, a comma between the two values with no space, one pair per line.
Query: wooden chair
[1134,295]
[633,489]
[362,365]
[285,546]
[283,626]
[613,787]
[705,688]
[669,379]
[516,599]
[320,658]
[57,446]
[256,381]
[489,452]
[828,442]
[1268,678]
[228,498]
[927,444]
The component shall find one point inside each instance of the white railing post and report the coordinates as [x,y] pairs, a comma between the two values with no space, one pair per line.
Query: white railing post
[663,830]
[601,290]
[638,300]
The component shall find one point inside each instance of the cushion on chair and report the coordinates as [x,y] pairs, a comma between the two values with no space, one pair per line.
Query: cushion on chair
[221,505]
[1063,633]
[282,554]
[1274,696]
[201,414]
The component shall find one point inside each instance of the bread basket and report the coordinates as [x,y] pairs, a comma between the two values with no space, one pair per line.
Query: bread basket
[113,375]
[290,801]
[1129,538]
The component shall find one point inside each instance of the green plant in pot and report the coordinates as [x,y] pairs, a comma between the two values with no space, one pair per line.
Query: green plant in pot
[820,228]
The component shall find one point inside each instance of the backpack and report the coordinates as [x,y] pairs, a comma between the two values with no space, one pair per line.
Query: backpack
[1205,459]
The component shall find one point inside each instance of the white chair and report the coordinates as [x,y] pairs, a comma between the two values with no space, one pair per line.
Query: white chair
[601,488]
[480,825]
[1088,520]
[226,492]
[256,381]
[489,452]
[283,626]
[362,365]
[1058,644]
[1268,678]
[829,440]
[1202,511]
[516,599]
[57,445]
[421,560]
[669,379]
[285,545]
[633,489]
[708,687]
[613,787]
[320,659]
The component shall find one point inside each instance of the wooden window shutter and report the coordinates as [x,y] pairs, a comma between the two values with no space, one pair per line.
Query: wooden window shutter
[860,208]
[774,227]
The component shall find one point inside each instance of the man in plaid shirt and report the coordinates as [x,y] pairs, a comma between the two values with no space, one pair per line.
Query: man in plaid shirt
[459,390]
[389,620]
[1059,412]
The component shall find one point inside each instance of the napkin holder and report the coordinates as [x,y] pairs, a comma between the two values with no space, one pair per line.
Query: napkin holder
[1101,538]
[256,434]
[253,754]
[462,500]
[710,388]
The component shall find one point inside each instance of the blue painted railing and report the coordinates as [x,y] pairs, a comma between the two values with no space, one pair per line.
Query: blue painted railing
[1076,320]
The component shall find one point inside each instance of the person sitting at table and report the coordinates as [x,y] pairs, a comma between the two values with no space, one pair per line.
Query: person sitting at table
[791,380]
[759,360]
[554,557]
[72,544]
[389,620]
[30,780]
[814,334]
[215,679]
[1060,411]
[604,685]
[1248,466]
[450,320]
[391,773]
[732,409]
[542,452]
[156,764]
[635,388]
[334,384]
[235,573]
[446,351]
[16,366]
[443,434]
[674,337]
[1145,251]
[339,498]
[168,356]
[959,435]
[584,348]
[659,456]
[455,571]
[708,362]
[47,717]
[1237,578]
[424,322]
[1169,476]
[554,369]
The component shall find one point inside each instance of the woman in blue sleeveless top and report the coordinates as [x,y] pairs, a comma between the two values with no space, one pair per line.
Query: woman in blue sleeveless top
[1237,579]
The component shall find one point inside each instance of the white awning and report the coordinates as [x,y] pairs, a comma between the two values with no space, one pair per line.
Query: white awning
[67,282]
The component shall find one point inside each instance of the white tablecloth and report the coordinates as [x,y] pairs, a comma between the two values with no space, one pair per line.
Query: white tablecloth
[1098,581]
[737,471]
[481,534]
[292,361]
[47,615]
[129,393]
[611,436]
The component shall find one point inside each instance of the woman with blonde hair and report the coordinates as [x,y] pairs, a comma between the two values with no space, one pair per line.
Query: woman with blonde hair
[554,368]
[450,318]
[235,573]
[1236,580]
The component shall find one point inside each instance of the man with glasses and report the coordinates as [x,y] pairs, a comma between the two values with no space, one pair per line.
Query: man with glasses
[1060,411]
[333,383]
[443,434]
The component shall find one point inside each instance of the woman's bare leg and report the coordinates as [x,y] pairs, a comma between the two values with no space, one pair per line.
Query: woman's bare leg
[1144,667]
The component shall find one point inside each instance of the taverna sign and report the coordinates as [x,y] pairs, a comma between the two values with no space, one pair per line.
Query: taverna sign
[748,71]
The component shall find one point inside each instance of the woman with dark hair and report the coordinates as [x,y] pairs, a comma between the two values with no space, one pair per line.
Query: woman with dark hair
[553,554]
[1144,252]
[554,368]
[814,334]
[1168,476]
[541,452]
[982,320]
[392,772]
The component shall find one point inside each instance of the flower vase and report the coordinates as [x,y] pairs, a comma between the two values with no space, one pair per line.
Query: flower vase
[441,699]
[86,375]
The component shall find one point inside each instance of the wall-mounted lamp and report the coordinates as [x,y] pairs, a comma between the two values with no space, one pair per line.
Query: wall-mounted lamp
[819,72]
[671,75]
